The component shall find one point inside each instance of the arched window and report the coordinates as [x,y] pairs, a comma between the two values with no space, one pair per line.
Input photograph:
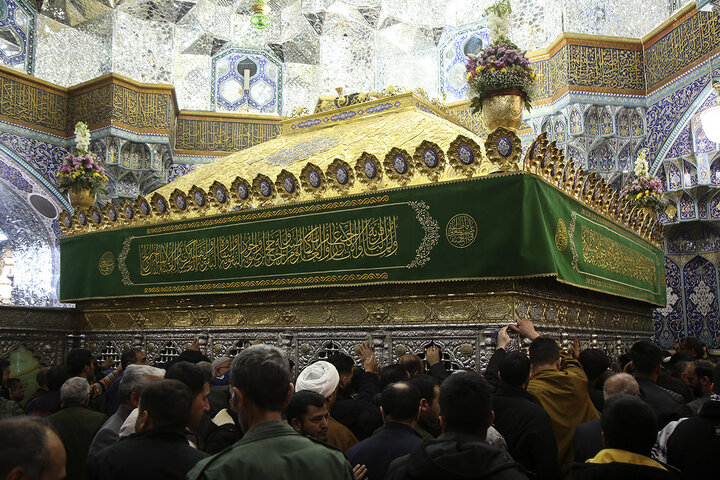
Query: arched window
[246,80]
[453,51]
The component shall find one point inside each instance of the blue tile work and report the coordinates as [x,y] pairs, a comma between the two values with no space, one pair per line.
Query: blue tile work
[177,170]
[43,157]
[701,143]
[702,206]
[715,173]
[668,321]
[576,156]
[264,94]
[681,241]
[683,144]
[674,177]
[664,219]
[625,159]
[708,240]
[576,123]
[714,207]
[17,22]
[689,174]
[13,175]
[701,300]
[691,268]
[687,208]
[663,116]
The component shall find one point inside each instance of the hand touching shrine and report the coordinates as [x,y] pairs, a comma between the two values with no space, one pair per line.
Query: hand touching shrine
[368,357]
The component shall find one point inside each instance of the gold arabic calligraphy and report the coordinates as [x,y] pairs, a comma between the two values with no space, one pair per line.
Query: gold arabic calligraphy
[366,237]
[615,257]
[209,135]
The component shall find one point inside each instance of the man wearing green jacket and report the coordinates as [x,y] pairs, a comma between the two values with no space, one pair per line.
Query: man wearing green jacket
[261,388]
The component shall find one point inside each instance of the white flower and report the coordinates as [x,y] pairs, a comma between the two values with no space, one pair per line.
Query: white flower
[641,167]
[82,136]
[498,26]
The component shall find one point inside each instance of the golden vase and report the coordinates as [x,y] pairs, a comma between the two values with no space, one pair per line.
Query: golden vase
[82,199]
[503,108]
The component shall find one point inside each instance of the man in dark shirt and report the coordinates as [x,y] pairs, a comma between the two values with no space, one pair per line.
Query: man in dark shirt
[357,412]
[596,364]
[400,410]
[159,449]
[588,435]
[76,424]
[428,425]
[694,444]
[646,365]
[629,430]
[461,451]
[523,423]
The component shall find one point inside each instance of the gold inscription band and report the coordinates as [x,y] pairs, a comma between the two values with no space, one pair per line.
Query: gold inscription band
[366,237]
[612,256]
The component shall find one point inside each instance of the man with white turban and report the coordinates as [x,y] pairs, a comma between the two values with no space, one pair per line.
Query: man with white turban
[323,378]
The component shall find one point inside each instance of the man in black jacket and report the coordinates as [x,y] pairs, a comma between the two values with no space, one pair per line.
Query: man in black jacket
[357,413]
[588,436]
[159,449]
[629,429]
[461,451]
[646,365]
[523,423]
[400,409]
[694,444]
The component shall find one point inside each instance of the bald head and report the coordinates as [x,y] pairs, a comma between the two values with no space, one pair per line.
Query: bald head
[412,363]
[401,402]
[619,384]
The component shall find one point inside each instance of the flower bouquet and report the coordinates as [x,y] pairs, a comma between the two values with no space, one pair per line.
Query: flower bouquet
[81,170]
[502,67]
[645,191]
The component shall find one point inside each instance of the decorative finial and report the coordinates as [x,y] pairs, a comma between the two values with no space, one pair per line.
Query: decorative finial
[342,100]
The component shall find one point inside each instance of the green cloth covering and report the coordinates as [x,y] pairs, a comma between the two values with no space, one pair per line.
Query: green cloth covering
[504,226]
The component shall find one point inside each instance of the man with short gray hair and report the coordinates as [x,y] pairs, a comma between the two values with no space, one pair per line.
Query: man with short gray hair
[621,384]
[134,380]
[588,435]
[75,424]
[260,390]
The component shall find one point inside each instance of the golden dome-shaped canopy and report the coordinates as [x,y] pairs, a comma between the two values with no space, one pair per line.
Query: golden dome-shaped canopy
[395,125]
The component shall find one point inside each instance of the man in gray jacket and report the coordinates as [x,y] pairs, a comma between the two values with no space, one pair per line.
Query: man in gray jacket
[134,380]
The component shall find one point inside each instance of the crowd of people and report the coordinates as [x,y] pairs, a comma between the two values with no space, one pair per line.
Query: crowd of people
[550,414]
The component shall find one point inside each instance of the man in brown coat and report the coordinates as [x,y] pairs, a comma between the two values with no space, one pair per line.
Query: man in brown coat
[559,383]
[323,378]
